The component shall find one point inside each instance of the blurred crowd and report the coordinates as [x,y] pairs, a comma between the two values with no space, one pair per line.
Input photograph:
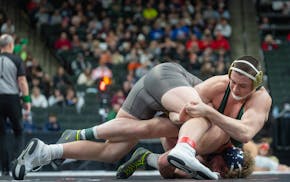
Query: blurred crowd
[91,38]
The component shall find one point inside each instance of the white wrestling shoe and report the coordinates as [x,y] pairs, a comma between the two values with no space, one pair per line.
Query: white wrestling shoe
[183,157]
[33,157]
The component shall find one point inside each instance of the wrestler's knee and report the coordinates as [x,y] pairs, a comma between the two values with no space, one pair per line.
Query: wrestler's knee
[168,142]
[165,169]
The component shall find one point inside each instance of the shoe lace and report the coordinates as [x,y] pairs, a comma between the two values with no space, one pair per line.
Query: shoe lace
[131,168]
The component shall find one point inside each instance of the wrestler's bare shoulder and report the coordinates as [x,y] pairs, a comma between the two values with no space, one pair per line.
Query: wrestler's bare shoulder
[261,95]
[216,83]
[212,87]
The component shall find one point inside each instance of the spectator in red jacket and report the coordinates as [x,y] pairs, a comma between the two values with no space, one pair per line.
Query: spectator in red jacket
[269,43]
[63,43]
[220,42]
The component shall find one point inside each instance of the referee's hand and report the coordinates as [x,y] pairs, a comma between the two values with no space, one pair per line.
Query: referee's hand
[27,106]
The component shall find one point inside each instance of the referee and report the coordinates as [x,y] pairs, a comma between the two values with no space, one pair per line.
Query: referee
[13,83]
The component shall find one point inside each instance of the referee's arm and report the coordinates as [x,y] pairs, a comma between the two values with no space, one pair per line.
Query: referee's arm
[23,85]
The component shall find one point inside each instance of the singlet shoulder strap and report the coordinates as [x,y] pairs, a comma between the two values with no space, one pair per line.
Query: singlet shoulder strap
[241,112]
[223,104]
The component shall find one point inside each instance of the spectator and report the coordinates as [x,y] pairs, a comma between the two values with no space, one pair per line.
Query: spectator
[38,99]
[8,27]
[62,43]
[264,161]
[23,52]
[118,97]
[70,97]
[28,125]
[206,41]
[80,64]
[61,80]
[55,18]
[117,58]
[192,42]
[113,112]
[223,13]
[224,27]
[269,43]
[41,17]
[56,98]
[220,42]
[150,12]
[193,65]
[85,78]
[285,9]
[126,87]
[52,123]
[156,33]
[181,32]
[265,24]
[46,85]
[288,38]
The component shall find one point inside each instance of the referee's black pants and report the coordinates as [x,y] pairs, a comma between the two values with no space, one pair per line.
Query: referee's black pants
[10,110]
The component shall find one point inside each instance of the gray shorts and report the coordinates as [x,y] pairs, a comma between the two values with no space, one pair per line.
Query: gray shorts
[144,100]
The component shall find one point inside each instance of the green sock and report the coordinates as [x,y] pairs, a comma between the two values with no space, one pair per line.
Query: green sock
[88,133]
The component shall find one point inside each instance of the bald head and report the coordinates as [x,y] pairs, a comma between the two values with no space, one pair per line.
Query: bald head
[6,43]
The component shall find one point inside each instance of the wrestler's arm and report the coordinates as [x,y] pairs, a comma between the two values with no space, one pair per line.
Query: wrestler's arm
[253,119]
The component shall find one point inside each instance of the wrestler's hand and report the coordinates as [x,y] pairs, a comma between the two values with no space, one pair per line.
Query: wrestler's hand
[196,109]
[27,106]
[174,117]
[183,116]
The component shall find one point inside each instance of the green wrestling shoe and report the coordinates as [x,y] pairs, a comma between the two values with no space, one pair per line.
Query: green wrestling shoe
[69,136]
[137,160]
[66,137]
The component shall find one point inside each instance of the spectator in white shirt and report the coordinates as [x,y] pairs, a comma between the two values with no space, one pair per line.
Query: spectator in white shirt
[38,99]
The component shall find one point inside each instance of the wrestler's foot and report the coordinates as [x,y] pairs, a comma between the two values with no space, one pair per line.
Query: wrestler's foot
[66,137]
[137,160]
[182,156]
[33,157]
[69,136]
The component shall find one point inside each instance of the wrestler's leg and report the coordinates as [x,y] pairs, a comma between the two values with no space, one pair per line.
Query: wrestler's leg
[183,155]
[212,140]
[103,152]
[168,143]
[209,142]
[175,99]
[37,153]
[126,127]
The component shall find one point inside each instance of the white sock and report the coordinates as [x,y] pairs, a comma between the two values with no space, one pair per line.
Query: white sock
[152,160]
[95,132]
[82,133]
[56,151]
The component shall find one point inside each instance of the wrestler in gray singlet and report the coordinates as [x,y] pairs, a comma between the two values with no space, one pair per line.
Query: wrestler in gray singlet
[144,100]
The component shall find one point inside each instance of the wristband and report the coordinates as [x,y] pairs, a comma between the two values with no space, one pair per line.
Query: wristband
[26,99]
